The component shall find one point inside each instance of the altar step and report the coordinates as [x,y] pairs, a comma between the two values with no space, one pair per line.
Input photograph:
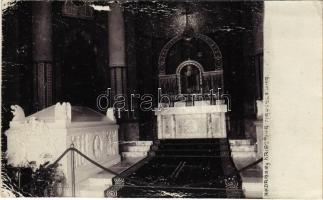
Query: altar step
[188,152]
[180,168]
[94,187]
[252,182]
[187,148]
[243,153]
[98,183]
[243,149]
[133,149]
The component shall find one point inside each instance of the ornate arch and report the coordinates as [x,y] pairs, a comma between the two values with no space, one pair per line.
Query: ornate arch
[189,62]
[184,64]
[214,47]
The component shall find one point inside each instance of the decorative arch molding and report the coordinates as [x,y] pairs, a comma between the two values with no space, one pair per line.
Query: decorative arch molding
[184,64]
[217,56]
[189,62]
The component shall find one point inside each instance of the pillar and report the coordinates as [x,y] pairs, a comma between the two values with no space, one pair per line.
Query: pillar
[42,54]
[129,129]
[117,59]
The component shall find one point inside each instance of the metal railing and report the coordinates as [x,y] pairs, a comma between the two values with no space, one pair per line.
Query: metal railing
[73,150]
[229,175]
[250,165]
[140,182]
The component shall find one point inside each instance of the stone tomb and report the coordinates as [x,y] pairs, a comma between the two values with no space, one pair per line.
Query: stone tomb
[45,135]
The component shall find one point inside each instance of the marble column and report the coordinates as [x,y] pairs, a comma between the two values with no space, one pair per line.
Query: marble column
[129,129]
[42,54]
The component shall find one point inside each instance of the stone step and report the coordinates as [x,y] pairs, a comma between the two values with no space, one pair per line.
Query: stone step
[190,141]
[240,142]
[100,181]
[188,146]
[137,143]
[252,183]
[138,148]
[92,191]
[133,154]
[253,190]
[243,154]
[95,185]
[243,148]
[180,152]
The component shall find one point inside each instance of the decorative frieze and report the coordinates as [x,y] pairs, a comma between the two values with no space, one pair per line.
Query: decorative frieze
[207,121]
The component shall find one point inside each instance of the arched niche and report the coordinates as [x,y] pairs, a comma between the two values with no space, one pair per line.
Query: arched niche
[171,83]
[189,75]
[217,56]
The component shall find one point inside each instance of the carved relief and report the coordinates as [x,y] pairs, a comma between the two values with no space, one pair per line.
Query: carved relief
[34,126]
[110,115]
[112,143]
[194,124]
[97,146]
[18,113]
[63,111]
[216,126]
[167,129]
[191,126]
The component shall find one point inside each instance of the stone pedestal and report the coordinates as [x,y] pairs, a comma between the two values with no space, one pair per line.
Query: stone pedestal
[259,132]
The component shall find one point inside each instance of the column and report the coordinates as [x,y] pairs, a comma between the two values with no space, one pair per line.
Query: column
[117,59]
[129,128]
[42,54]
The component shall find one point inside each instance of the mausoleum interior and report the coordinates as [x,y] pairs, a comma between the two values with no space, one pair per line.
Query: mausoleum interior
[150,98]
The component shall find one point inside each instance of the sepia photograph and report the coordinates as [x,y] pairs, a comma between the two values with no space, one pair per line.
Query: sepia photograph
[132,99]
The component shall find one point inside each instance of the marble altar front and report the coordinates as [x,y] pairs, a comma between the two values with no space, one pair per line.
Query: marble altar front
[199,121]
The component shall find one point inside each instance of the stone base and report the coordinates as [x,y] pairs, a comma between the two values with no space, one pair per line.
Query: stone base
[135,149]
[252,183]
[83,173]
[95,185]
[244,153]
[129,131]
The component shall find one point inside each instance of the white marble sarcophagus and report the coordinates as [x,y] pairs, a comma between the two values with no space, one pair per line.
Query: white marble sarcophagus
[45,135]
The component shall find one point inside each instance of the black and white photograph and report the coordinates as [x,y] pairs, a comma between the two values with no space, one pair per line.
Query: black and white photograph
[132,99]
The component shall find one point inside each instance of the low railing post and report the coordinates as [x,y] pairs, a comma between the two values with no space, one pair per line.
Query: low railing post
[73,170]
[19,178]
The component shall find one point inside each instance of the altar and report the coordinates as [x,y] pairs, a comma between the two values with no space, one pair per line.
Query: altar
[200,121]
[192,109]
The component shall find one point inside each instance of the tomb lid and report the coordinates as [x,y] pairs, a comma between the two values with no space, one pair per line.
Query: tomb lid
[78,114]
